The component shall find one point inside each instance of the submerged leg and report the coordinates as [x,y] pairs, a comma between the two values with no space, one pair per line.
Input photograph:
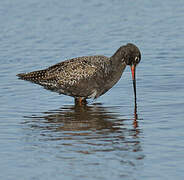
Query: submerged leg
[80,101]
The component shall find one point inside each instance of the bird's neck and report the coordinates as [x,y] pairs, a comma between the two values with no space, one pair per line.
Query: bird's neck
[118,59]
[119,56]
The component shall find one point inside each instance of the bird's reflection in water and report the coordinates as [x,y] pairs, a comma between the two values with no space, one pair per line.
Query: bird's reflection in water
[81,118]
[104,128]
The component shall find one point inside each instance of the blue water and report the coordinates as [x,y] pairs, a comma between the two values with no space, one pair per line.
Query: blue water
[44,136]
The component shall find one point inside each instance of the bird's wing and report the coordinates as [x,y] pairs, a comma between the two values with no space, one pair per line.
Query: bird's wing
[69,76]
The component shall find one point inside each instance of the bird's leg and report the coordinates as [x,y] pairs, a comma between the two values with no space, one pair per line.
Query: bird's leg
[80,101]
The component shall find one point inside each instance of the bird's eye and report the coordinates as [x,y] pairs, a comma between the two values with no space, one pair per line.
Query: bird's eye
[136,59]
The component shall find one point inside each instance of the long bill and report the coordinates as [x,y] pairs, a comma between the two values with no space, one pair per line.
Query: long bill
[133,68]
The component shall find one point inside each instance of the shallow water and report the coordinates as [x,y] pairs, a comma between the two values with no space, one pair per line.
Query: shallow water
[44,136]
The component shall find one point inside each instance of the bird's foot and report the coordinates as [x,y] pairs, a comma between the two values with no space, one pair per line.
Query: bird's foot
[80,101]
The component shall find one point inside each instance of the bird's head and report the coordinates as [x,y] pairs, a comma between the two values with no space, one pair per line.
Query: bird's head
[129,55]
[132,58]
[132,54]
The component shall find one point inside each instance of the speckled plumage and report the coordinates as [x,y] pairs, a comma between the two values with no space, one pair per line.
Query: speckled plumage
[87,76]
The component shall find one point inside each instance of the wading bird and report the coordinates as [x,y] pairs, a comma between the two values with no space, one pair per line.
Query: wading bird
[88,76]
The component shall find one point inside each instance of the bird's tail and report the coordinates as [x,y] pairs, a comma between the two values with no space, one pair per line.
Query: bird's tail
[34,76]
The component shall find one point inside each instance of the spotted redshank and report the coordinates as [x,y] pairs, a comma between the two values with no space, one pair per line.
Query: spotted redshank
[88,76]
